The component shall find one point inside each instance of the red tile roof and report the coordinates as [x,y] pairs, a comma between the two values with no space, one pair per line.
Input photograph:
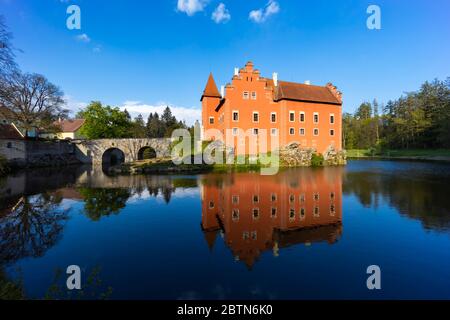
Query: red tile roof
[9,131]
[211,88]
[304,92]
[70,125]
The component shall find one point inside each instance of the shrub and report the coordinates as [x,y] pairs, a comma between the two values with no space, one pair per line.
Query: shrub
[317,160]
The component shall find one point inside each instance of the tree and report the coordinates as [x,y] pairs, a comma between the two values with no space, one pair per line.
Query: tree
[138,128]
[7,62]
[32,100]
[104,122]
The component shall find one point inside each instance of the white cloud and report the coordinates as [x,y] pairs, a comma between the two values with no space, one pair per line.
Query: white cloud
[190,7]
[262,14]
[97,49]
[221,14]
[189,115]
[73,105]
[83,38]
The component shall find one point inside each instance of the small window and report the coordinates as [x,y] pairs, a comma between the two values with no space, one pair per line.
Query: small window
[273,117]
[253,95]
[274,131]
[235,215]
[331,196]
[316,132]
[255,198]
[245,95]
[331,132]
[211,120]
[291,198]
[211,204]
[291,131]
[316,212]
[302,131]
[273,197]
[255,131]
[245,235]
[9,145]
[302,213]
[332,210]
[273,212]
[235,116]
[235,199]
[291,116]
[316,197]
[255,117]
[292,214]
[254,235]
[255,213]
[302,117]
[316,117]
[332,118]
[302,198]
[235,131]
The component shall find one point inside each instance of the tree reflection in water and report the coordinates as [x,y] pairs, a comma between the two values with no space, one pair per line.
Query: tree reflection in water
[31,227]
[422,198]
[99,203]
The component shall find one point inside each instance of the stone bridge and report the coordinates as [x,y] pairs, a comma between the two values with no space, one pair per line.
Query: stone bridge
[120,150]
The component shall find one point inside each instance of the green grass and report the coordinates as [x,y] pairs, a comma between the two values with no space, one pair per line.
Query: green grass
[361,153]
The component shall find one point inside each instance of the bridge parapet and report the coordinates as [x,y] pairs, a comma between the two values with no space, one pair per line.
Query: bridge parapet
[92,151]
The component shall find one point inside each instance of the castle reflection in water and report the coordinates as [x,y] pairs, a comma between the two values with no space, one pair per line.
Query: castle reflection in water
[256,213]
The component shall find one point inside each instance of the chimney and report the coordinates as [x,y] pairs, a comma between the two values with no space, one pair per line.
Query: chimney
[275,79]
[222,91]
[308,82]
[236,71]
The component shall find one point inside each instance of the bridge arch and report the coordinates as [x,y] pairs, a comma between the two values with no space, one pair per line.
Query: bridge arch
[113,156]
[146,152]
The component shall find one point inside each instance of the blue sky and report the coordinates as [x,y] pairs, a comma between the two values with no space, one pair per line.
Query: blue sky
[145,54]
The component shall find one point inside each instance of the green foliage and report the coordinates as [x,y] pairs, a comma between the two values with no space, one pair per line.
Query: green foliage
[317,160]
[420,119]
[164,125]
[103,202]
[104,122]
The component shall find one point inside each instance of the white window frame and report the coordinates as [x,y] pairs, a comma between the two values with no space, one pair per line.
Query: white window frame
[332,130]
[271,114]
[232,115]
[253,116]
[235,197]
[253,131]
[238,214]
[253,95]
[300,131]
[291,129]
[235,134]
[253,213]
[291,112]
[273,195]
[245,95]
[334,118]
[314,132]
[302,113]
[272,132]
[314,117]
[211,118]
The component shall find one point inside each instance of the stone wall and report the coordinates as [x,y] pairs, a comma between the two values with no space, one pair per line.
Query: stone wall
[294,156]
[31,153]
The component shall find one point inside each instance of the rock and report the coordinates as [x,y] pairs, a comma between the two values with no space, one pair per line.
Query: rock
[295,156]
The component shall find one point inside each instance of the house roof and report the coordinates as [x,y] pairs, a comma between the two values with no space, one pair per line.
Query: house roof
[211,89]
[9,131]
[70,125]
[304,92]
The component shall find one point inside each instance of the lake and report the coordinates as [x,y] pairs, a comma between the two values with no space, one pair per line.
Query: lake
[305,233]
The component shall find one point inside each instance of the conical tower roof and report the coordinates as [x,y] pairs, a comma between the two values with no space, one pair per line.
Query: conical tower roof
[211,88]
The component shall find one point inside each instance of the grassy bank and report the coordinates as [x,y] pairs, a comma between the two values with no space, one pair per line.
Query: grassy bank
[412,154]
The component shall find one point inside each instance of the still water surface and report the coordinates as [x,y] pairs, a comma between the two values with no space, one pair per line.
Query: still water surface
[303,233]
